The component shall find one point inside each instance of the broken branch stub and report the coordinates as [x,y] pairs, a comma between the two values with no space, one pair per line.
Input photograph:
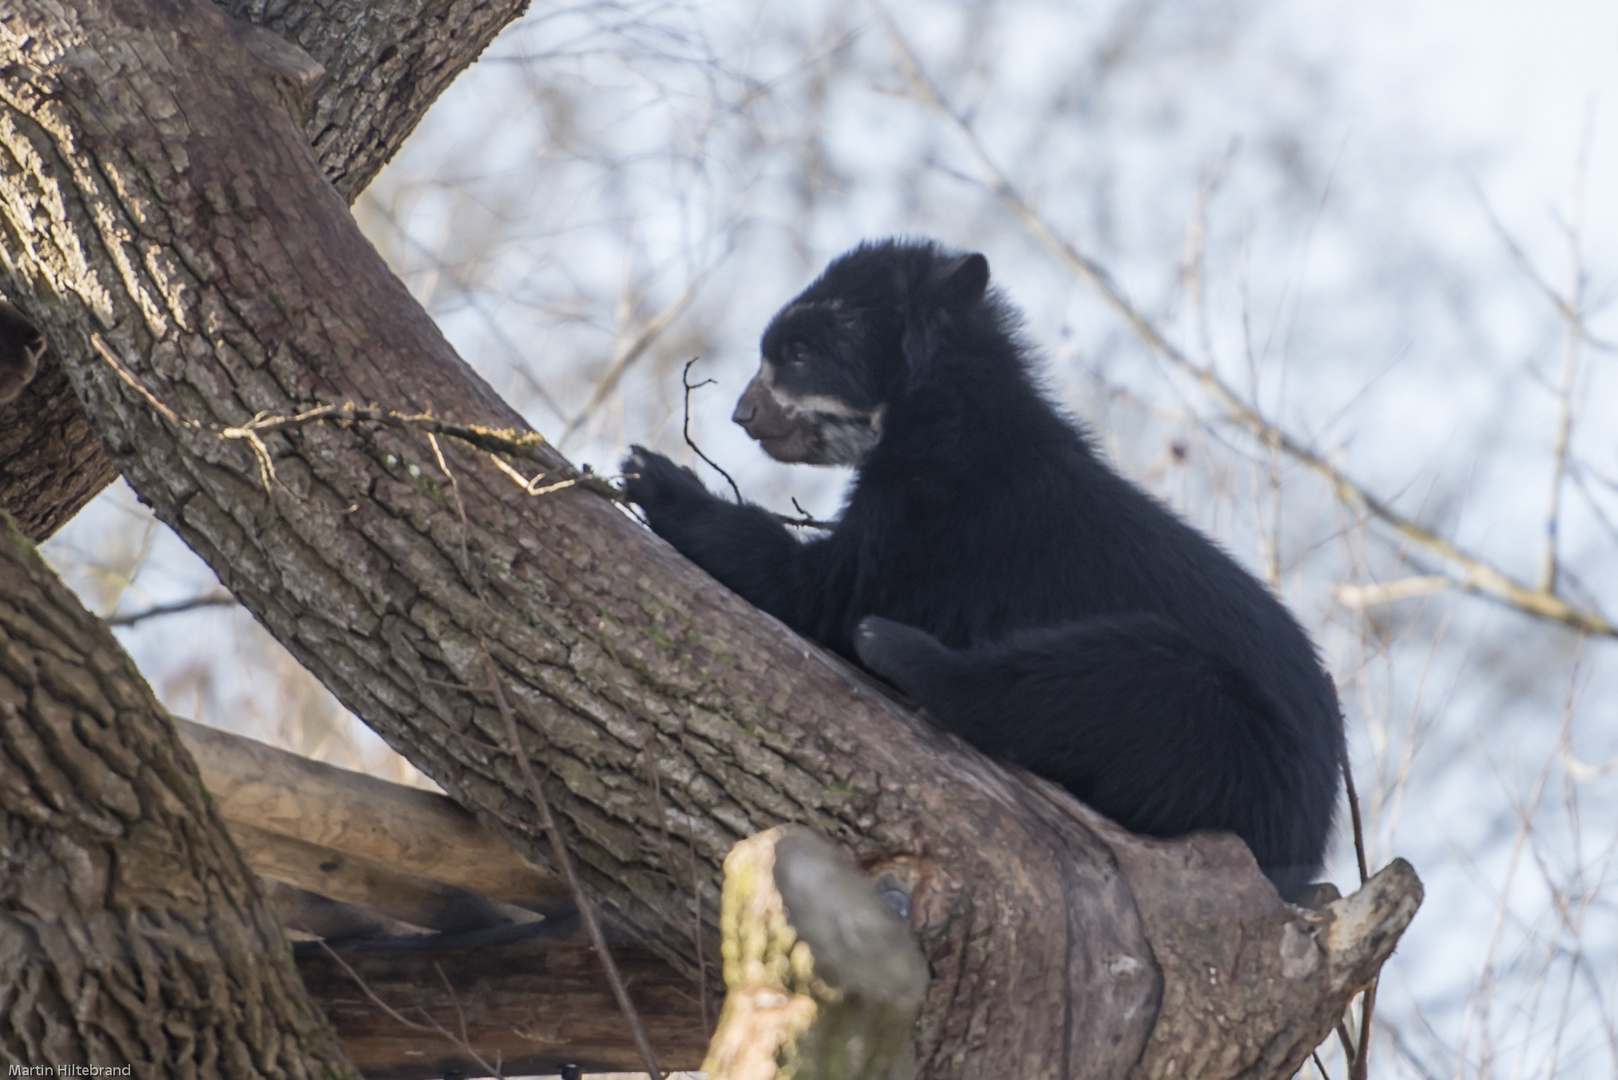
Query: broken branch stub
[822,981]
[1250,984]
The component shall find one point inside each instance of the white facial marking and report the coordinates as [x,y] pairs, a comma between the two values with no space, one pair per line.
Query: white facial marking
[796,405]
[845,434]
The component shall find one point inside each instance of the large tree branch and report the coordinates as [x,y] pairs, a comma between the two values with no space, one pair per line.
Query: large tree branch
[373,864]
[275,801]
[384,63]
[204,272]
[131,932]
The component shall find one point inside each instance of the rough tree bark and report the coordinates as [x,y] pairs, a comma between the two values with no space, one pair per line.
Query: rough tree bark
[131,932]
[384,63]
[165,210]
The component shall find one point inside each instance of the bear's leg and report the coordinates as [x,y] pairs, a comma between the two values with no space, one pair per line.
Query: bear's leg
[1130,715]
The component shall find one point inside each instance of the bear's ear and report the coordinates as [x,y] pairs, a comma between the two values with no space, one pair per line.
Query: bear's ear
[962,281]
[951,286]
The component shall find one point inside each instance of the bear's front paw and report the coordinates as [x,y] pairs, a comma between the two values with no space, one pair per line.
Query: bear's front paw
[871,637]
[656,483]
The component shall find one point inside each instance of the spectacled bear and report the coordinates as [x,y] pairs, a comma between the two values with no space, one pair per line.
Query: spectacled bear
[990,564]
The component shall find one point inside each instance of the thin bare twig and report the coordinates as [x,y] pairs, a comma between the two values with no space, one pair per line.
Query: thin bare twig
[1572,309]
[1574,317]
[159,610]
[502,440]
[528,445]
[519,444]
[1354,817]
[1349,1052]
[696,919]
[1477,1008]
[460,1013]
[685,429]
[1359,1061]
[1359,1069]
[558,845]
[1472,574]
[1559,447]
[1578,473]
[261,454]
[100,345]
[431,1027]
[805,520]
[564,862]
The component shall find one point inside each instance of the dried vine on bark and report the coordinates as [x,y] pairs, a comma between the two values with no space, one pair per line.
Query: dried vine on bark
[377,66]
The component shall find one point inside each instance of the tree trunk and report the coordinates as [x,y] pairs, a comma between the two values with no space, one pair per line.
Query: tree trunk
[131,932]
[201,271]
[384,63]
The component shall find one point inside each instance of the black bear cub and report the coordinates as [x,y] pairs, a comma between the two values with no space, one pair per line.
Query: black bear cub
[991,565]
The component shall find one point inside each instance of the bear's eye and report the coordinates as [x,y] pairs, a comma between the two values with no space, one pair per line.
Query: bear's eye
[796,354]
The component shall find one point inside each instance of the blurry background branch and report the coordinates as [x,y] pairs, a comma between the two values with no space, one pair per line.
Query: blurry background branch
[177,608]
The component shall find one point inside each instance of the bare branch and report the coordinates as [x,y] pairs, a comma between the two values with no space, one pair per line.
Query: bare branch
[1574,316]
[159,610]
[495,440]
[1364,596]
[636,349]
[685,381]
[1572,310]
[529,445]
[1359,1063]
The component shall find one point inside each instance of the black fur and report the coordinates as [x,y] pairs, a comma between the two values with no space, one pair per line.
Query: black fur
[21,347]
[991,565]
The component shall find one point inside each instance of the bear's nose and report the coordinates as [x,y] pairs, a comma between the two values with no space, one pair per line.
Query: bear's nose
[751,405]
